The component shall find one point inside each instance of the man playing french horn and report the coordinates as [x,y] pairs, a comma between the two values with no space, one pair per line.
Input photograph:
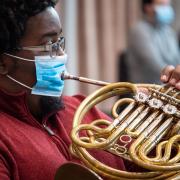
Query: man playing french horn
[36,121]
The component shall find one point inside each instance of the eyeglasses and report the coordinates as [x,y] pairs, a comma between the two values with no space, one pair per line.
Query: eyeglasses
[52,48]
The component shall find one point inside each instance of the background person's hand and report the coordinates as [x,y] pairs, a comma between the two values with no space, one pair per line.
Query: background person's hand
[171,75]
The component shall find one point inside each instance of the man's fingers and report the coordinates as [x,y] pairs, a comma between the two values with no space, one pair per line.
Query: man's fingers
[166,73]
[171,75]
[175,76]
[178,85]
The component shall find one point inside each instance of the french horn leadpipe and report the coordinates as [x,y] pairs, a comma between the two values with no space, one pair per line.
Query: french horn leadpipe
[150,122]
[67,76]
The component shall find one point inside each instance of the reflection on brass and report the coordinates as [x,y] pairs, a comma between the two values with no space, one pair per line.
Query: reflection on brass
[149,122]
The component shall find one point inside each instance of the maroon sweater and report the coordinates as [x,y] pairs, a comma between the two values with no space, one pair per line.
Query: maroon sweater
[28,151]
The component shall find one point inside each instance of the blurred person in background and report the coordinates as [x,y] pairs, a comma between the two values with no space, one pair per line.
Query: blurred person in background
[152,43]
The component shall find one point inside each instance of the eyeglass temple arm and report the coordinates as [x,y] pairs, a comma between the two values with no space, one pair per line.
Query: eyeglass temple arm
[37,48]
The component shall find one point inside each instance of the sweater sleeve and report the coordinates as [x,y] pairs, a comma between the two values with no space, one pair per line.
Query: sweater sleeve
[4,172]
[8,166]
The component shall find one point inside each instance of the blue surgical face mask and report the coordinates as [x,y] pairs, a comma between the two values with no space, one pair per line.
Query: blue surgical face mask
[164,14]
[48,72]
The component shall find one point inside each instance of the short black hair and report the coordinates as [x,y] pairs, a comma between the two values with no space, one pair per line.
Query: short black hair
[13,17]
[146,2]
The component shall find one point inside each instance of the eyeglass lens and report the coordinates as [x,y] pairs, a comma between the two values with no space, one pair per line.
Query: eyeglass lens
[59,45]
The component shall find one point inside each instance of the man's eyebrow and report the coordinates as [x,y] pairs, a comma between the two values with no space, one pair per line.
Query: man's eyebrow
[52,33]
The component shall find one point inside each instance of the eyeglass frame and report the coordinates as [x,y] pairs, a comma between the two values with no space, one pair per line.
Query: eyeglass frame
[48,47]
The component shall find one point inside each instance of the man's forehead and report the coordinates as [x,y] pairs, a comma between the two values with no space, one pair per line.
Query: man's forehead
[46,23]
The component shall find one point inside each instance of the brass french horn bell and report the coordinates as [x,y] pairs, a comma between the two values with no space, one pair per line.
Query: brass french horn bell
[150,122]
[73,171]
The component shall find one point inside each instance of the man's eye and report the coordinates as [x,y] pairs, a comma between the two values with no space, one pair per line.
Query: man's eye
[55,46]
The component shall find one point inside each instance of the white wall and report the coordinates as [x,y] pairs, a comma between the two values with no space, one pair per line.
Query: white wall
[67,10]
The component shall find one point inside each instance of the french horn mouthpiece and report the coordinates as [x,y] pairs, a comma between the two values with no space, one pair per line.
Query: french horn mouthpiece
[67,76]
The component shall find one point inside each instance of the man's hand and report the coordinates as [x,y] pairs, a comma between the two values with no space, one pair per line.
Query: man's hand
[171,75]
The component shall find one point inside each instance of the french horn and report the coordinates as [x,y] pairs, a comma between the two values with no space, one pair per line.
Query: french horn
[149,122]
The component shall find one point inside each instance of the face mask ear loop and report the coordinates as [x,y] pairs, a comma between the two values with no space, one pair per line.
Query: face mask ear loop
[23,59]
[19,82]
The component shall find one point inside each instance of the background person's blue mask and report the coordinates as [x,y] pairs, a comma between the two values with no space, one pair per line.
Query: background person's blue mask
[48,70]
[164,14]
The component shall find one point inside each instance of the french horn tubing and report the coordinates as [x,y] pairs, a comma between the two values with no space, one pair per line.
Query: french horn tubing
[150,122]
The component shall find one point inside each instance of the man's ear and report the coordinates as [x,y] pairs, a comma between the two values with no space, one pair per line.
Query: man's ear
[3,67]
